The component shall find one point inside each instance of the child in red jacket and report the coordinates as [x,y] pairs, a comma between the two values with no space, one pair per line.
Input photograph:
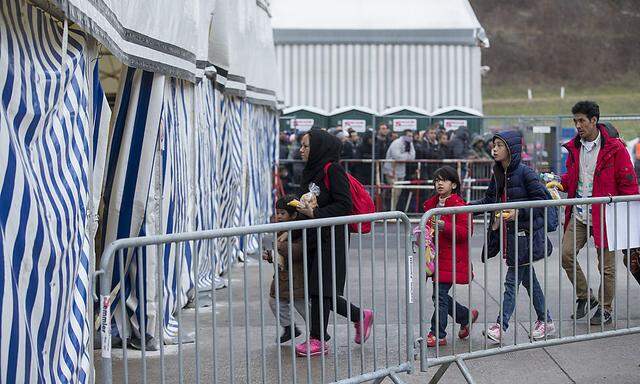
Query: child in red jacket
[447,183]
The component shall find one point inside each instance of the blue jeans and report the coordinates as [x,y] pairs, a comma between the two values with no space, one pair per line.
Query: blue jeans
[445,308]
[509,301]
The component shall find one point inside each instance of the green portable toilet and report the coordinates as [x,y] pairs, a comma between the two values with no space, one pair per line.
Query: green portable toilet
[402,118]
[302,118]
[452,118]
[358,118]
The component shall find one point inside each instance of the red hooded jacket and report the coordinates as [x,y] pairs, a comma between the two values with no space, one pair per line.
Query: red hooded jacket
[614,176]
[445,239]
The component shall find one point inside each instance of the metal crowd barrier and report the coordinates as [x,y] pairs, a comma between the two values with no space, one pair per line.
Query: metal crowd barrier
[226,350]
[234,337]
[568,329]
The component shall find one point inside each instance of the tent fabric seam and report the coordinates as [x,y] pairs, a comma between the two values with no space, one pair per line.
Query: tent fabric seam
[94,29]
[131,35]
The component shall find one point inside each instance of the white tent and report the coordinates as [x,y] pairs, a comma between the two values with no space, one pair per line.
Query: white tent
[377,53]
[174,155]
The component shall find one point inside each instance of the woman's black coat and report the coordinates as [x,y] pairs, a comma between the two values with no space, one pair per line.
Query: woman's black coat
[334,201]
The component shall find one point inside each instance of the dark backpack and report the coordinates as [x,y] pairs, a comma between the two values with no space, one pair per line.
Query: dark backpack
[611,130]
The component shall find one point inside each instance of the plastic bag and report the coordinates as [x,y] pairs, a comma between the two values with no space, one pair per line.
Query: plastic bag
[310,199]
[430,248]
[549,177]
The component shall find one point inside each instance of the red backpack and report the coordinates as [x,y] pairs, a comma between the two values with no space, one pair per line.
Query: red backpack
[362,202]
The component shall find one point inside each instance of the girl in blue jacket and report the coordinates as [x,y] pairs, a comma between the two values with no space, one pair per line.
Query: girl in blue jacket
[513,181]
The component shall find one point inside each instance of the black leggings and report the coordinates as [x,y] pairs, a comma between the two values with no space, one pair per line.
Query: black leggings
[327,306]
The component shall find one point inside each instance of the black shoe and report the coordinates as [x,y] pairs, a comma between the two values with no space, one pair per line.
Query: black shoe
[581,307]
[601,317]
[286,334]
[150,345]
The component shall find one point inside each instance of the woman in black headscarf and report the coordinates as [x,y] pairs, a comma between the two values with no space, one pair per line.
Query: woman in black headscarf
[318,149]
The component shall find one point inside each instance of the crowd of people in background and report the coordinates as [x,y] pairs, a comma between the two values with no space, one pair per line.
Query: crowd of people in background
[435,143]
[398,152]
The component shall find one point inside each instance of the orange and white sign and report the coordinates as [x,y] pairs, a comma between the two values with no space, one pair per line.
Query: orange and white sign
[302,125]
[453,124]
[356,125]
[400,125]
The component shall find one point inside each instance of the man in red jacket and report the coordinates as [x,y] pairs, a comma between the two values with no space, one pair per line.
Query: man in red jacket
[598,165]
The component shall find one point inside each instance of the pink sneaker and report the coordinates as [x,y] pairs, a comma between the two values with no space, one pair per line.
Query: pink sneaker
[367,322]
[540,331]
[316,348]
[495,332]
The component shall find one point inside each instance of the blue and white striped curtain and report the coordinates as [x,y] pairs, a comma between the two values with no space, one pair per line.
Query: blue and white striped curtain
[52,120]
[132,149]
[260,156]
[230,173]
[207,190]
[149,191]
[235,154]
[178,197]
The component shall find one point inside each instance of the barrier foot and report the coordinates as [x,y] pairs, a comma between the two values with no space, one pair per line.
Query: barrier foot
[393,378]
[436,378]
[465,371]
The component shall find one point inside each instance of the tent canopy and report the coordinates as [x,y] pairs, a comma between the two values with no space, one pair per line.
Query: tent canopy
[186,39]
[364,110]
[452,110]
[406,117]
[302,118]
[355,117]
[292,110]
[402,109]
[343,21]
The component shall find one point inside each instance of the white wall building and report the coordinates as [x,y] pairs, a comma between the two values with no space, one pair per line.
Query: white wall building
[378,53]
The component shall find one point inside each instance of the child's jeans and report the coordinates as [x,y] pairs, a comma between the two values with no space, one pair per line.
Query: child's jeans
[285,311]
[445,308]
[509,302]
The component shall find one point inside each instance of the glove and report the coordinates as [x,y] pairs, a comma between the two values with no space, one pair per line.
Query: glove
[555,184]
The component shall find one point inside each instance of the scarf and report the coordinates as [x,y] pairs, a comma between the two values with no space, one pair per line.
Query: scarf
[323,148]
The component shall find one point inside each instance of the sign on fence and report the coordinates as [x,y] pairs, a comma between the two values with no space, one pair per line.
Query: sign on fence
[452,125]
[356,125]
[302,125]
[400,125]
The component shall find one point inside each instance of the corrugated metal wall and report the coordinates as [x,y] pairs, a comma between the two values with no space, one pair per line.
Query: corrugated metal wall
[380,75]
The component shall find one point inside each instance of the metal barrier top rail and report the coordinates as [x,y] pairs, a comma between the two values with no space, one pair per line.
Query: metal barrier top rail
[133,242]
[526,204]
[433,161]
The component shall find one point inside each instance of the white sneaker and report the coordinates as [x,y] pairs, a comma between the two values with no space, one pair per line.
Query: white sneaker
[540,331]
[495,332]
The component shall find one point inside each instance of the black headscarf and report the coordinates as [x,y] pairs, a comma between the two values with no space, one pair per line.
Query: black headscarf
[323,148]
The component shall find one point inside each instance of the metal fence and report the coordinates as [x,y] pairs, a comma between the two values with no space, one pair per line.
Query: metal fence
[233,339]
[542,332]
[228,336]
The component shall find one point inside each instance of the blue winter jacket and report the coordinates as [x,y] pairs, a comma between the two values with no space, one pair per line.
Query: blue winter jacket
[522,184]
